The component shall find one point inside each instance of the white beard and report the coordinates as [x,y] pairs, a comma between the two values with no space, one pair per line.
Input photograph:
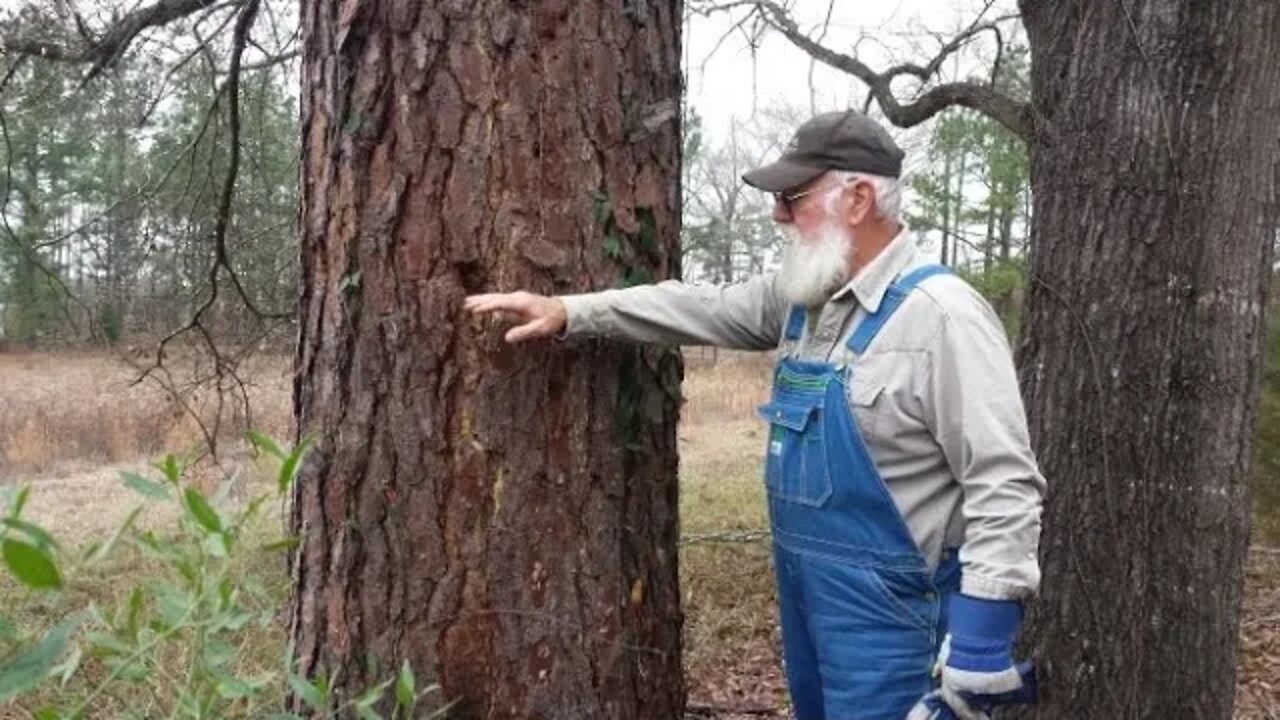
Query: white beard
[813,268]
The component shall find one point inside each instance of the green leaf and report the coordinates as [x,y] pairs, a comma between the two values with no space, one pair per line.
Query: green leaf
[217,653]
[353,123]
[128,670]
[136,604]
[349,283]
[35,532]
[648,228]
[265,444]
[310,693]
[46,713]
[370,697]
[145,487]
[405,687]
[29,668]
[612,246]
[171,468]
[201,511]
[638,276]
[289,468]
[218,544]
[18,501]
[600,209]
[188,571]
[234,621]
[172,604]
[105,645]
[32,565]
[226,592]
[233,688]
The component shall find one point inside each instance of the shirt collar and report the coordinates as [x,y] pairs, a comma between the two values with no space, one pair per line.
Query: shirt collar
[870,283]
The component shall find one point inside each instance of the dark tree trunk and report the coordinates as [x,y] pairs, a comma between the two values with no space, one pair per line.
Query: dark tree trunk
[504,518]
[1006,228]
[946,206]
[1154,168]
[989,245]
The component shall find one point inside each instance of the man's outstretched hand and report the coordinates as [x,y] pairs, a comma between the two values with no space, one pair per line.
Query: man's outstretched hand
[539,316]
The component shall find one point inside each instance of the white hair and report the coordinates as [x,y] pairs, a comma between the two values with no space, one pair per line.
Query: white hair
[888,192]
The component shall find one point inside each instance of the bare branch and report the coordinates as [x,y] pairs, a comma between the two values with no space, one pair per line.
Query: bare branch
[813,62]
[702,67]
[995,64]
[113,43]
[201,46]
[223,367]
[1014,115]
[926,72]
[271,61]
[222,257]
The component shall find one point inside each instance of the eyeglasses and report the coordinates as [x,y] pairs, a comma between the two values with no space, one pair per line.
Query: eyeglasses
[786,200]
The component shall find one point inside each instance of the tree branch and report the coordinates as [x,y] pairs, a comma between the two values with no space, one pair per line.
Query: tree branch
[239,39]
[222,258]
[1014,115]
[949,48]
[113,43]
[813,62]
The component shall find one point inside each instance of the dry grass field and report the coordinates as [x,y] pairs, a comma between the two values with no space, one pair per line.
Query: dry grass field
[70,423]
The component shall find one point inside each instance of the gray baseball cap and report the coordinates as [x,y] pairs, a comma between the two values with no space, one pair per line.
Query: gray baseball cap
[843,140]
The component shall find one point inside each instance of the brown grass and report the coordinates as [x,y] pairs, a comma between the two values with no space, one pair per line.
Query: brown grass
[60,411]
[724,387]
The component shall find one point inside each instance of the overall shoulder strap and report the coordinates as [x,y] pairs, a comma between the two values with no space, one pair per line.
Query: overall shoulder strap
[795,323]
[893,297]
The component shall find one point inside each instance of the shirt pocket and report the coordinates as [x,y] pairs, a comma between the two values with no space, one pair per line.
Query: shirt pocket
[880,394]
[867,400]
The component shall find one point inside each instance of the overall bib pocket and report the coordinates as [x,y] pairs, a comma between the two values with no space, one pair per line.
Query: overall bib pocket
[796,453]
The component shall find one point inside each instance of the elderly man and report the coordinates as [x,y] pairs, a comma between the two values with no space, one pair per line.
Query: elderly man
[903,495]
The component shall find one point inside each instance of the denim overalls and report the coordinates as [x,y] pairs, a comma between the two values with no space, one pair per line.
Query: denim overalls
[862,616]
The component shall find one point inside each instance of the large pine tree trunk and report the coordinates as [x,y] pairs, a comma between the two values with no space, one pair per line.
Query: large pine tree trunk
[504,518]
[1154,174]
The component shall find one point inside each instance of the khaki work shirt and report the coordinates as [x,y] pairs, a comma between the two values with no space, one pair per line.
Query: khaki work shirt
[935,396]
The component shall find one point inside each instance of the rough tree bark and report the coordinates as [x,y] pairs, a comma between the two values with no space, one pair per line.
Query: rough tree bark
[504,518]
[1154,170]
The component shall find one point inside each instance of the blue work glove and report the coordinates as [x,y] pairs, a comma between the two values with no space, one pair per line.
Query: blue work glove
[933,707]
[977,655]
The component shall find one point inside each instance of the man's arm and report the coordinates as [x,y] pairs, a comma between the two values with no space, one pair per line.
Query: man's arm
[744,316]
[747,315]
[973,406]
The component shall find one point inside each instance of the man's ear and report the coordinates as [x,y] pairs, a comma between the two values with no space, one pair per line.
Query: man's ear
[861,196]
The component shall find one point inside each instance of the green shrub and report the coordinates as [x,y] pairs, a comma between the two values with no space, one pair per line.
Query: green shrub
[173,641]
